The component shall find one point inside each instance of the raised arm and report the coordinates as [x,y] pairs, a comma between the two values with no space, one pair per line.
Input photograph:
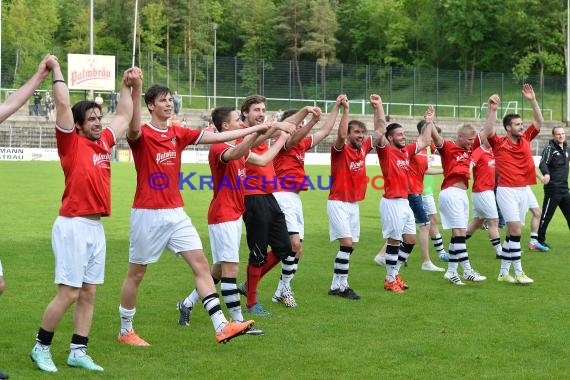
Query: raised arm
[212,138]
[123,117]
[326,129]
[135,95]
[242,148]
[342,131]
[489,130]
[300,115]
[528,93]
[425,136]
[63,115]
[379,120]
[265,158]
[274,131]
[300,133]
[19,97]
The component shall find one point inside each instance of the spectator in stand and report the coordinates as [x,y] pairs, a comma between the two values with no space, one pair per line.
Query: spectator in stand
[99,99]
[37,103]
[177,102]
[112,102]
[49,106]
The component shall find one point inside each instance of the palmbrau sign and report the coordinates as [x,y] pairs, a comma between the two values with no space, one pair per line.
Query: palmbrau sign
[91,72]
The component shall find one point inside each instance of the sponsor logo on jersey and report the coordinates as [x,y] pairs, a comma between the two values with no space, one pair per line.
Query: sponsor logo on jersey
[462,157]
[356,165]
[101,159]
[162,158]
[403,163]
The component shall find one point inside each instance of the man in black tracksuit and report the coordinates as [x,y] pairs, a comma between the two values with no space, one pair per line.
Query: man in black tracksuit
[554,168]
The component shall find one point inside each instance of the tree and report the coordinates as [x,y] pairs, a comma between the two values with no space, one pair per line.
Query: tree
[153,28]
[291,22]
[544,36]
[259,42]
[470,27]
[30,34]
[321,41]
[198,31]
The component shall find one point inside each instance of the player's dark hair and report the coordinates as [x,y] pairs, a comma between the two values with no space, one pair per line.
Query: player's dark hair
[356,123]
[420,125]
[287,114]
[154,92]
[507,120]
[251,100]
[555,128]
[80,109]
[391,128]
[221,115]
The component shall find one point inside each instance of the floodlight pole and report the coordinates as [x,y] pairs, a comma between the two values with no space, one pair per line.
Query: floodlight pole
[567,62]
[215,28]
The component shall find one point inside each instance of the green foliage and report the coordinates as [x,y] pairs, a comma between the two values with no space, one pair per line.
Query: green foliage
[30,37]
[258,36]
[525,37]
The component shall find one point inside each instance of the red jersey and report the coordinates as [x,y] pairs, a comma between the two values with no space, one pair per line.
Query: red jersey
[395,165]
[348,172]
[227,203]
[418,168]
[483,166]
[456,162]
[157,155]
[86,166]
[260,179]
[290,166]
[514,160]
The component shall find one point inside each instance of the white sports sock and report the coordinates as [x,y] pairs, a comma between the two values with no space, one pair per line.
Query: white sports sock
[191,300]
[127,316]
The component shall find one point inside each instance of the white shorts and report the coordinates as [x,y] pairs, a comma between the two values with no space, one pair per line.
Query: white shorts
[154,230]
[79,249]
[1,270]
[532,202]
[225,239]
[397,218]
[344,220]
[513,202]
[454,208]
[429,204]
[291,205]
[484,205]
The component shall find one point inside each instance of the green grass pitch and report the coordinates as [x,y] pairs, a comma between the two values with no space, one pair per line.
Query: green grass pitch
[435,330]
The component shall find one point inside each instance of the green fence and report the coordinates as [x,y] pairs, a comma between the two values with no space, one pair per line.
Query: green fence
[288,85]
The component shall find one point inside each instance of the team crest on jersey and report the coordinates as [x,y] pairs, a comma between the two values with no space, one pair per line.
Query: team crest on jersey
[241,172]
[300,157]
[491,163]
[173,141]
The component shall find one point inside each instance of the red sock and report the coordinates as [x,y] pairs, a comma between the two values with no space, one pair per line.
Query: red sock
[269,263]
[253,278]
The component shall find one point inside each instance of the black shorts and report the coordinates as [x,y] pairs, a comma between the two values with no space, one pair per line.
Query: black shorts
[265,226]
